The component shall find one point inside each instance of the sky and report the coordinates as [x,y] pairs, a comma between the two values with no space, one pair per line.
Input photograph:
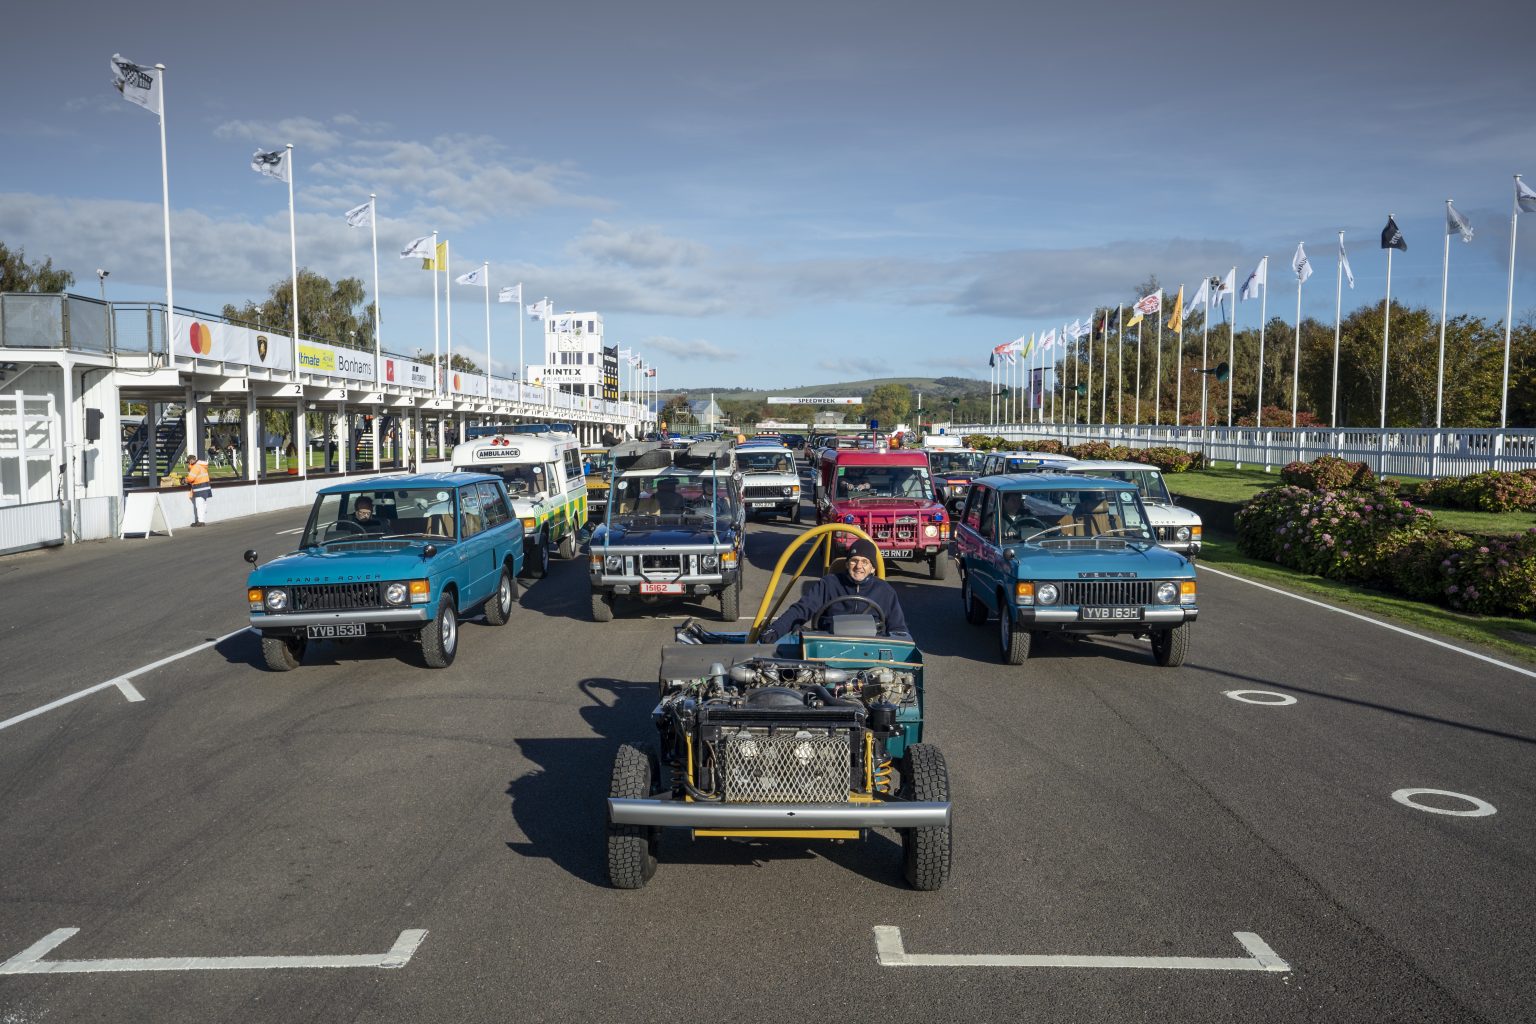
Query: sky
[783,194]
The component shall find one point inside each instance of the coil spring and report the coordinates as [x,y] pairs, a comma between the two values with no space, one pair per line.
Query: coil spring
[883,776]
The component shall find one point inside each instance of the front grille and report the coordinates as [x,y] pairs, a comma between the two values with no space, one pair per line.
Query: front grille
[905,533]
[1110,592]
[804,766]
[661,564]
[763,492]
[336,597]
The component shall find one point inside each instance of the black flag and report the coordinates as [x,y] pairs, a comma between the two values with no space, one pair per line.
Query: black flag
[1392,236]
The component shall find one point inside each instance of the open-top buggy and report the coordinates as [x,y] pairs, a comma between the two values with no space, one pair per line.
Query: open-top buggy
[817,736]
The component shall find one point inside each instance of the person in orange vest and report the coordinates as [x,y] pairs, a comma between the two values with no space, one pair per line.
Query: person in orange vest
[200,490]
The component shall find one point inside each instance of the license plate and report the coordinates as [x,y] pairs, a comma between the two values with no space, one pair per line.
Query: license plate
[762,504]
[339,629]
[661,588]
[1110,613]
[898,553]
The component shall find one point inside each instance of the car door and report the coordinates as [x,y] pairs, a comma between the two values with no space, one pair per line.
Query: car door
[476,555]
[504,542]
[987,566]
[967,529]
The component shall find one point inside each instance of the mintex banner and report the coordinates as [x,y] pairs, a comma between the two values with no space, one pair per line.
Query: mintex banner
[197,338]
[330,361]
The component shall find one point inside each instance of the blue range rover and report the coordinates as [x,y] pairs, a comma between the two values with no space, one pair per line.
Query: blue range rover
[405,555]
[1058,553]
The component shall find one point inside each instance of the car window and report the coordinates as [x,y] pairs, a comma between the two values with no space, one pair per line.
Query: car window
[471,519]
[493,504]
[989,516]
[572,465]
[973,507]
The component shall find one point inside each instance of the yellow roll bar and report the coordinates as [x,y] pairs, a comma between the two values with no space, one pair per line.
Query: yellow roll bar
[822,535]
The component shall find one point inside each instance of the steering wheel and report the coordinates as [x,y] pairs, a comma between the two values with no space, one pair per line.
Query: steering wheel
[351,525]
[1051,529]
[814,619]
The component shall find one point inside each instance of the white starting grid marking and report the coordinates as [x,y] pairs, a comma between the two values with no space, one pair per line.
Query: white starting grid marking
[30,960]
[122,683]
[890,952]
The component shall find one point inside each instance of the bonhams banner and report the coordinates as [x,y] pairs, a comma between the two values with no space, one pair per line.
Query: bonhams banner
[330,361]
[215,341]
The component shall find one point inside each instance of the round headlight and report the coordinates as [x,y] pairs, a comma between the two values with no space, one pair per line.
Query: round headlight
[613,563]
[1046,593]
[1167,593]
[789,491]
[276,600]
[710,562]
[848,519]
[1183,533]
[930,530]
[396,593]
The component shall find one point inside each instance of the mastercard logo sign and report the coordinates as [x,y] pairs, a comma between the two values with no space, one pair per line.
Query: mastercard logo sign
[201,339]
[456,382]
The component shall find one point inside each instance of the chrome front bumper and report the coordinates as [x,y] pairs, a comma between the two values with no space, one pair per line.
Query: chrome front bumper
[681,814]
[415,615]
[1169,616]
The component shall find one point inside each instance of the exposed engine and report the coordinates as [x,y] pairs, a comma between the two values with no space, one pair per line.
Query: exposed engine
[782,730]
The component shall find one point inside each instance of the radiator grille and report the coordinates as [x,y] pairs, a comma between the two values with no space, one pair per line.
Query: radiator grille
[336,597]
[803,766]
[663,564]
[1110,592]
[763,491]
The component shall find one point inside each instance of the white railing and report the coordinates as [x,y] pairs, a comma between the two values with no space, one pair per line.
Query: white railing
[1398,452]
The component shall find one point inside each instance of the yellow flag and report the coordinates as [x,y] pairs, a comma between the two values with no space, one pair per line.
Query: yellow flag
[1177,316]
[1135,319]
[441,263]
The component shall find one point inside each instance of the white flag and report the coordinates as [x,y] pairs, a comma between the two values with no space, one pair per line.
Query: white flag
[1349,275]
[273,164]
[1524,197]
[419,248]
[1150,304]
[477,276]
[1224,288]
[138,84]
[360,216]
[1201,297]
[636,362]
[1456,223]
[541,310]
[1048,340]
[1300,264]
[510,294]
[1256,280]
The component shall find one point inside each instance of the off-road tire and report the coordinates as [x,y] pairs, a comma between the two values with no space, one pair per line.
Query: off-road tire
[498,607]
[1171,646]
[730,600]
[927,853]
[283,654]
[975,611]
[1013,642]
[795,516]
[602,606]
[568,546]
[536,557]
[440,637]
[938,566]
[631,848]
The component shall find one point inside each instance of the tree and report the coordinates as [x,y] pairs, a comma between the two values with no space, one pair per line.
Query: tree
[328,312]
[17,275]
[888,403]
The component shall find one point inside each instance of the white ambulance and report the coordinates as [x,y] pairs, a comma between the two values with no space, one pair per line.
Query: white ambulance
[548,489]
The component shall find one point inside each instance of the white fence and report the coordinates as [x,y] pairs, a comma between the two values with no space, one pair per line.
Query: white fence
[1415,453]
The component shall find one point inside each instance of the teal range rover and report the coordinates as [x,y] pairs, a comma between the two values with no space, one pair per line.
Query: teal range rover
[407,555]
[1058,553]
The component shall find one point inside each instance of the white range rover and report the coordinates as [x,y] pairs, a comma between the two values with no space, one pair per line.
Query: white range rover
[770,480]
[1177,528]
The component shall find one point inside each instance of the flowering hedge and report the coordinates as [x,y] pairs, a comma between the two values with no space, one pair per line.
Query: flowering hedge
[1372,536]
[1490,491]
[1327,473]
[1169,460]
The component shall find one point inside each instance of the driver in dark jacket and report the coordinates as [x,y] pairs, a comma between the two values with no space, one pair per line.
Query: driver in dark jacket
[857,579]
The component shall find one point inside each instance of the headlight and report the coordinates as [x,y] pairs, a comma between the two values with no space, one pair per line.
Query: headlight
[1046,593]
[710,562]
[1182,533]
[930,530]
[790,491]
[613,563]
[1167,593]
[396,593]
[276,599]
[848,519]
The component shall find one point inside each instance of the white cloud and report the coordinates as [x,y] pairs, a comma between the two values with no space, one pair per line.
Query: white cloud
[304,132]
[642,248]
[697,349]
[863,367]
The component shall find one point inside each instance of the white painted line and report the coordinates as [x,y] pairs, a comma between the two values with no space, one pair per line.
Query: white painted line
[890,952]
[128,690]
[1480,808]
[1252,697]
[30,960]
[1375,622]
[290,533]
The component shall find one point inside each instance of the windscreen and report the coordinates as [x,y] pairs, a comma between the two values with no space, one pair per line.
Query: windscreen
[524,480]
[763,462]
[675,493]
[955,462]
[1068,513]
[884,482]
[380,515]
[1149,482]
[597,462]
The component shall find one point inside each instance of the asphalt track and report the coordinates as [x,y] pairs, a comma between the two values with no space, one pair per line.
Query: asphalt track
[1105,808]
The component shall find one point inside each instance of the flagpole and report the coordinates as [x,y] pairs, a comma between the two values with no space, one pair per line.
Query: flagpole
[1338,312]
[1231,347]
[1178,366]
[1138,375]
[1119,365]
[1157,374]
[485,269]
[165,217]
[1205,356]
[1386,332]
[522,365]
[1077,370]
[1509,306]
[1258,414]
[293,259]
[437,344]
[378,319]
[447,271]
[1445,277]
[1296,355]
[1088,416]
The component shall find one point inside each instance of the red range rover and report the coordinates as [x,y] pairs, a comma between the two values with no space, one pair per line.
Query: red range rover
[890,496]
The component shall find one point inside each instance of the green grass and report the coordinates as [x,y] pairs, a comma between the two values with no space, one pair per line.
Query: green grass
[1515,638]
[1486,523]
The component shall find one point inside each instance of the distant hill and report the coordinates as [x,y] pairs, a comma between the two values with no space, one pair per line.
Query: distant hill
[932,388]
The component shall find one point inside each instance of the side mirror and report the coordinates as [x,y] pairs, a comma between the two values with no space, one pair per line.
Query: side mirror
[1010,554]
[430,551]
[250,555]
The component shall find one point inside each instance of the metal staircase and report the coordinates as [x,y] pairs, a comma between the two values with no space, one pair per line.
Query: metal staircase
[167,447]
